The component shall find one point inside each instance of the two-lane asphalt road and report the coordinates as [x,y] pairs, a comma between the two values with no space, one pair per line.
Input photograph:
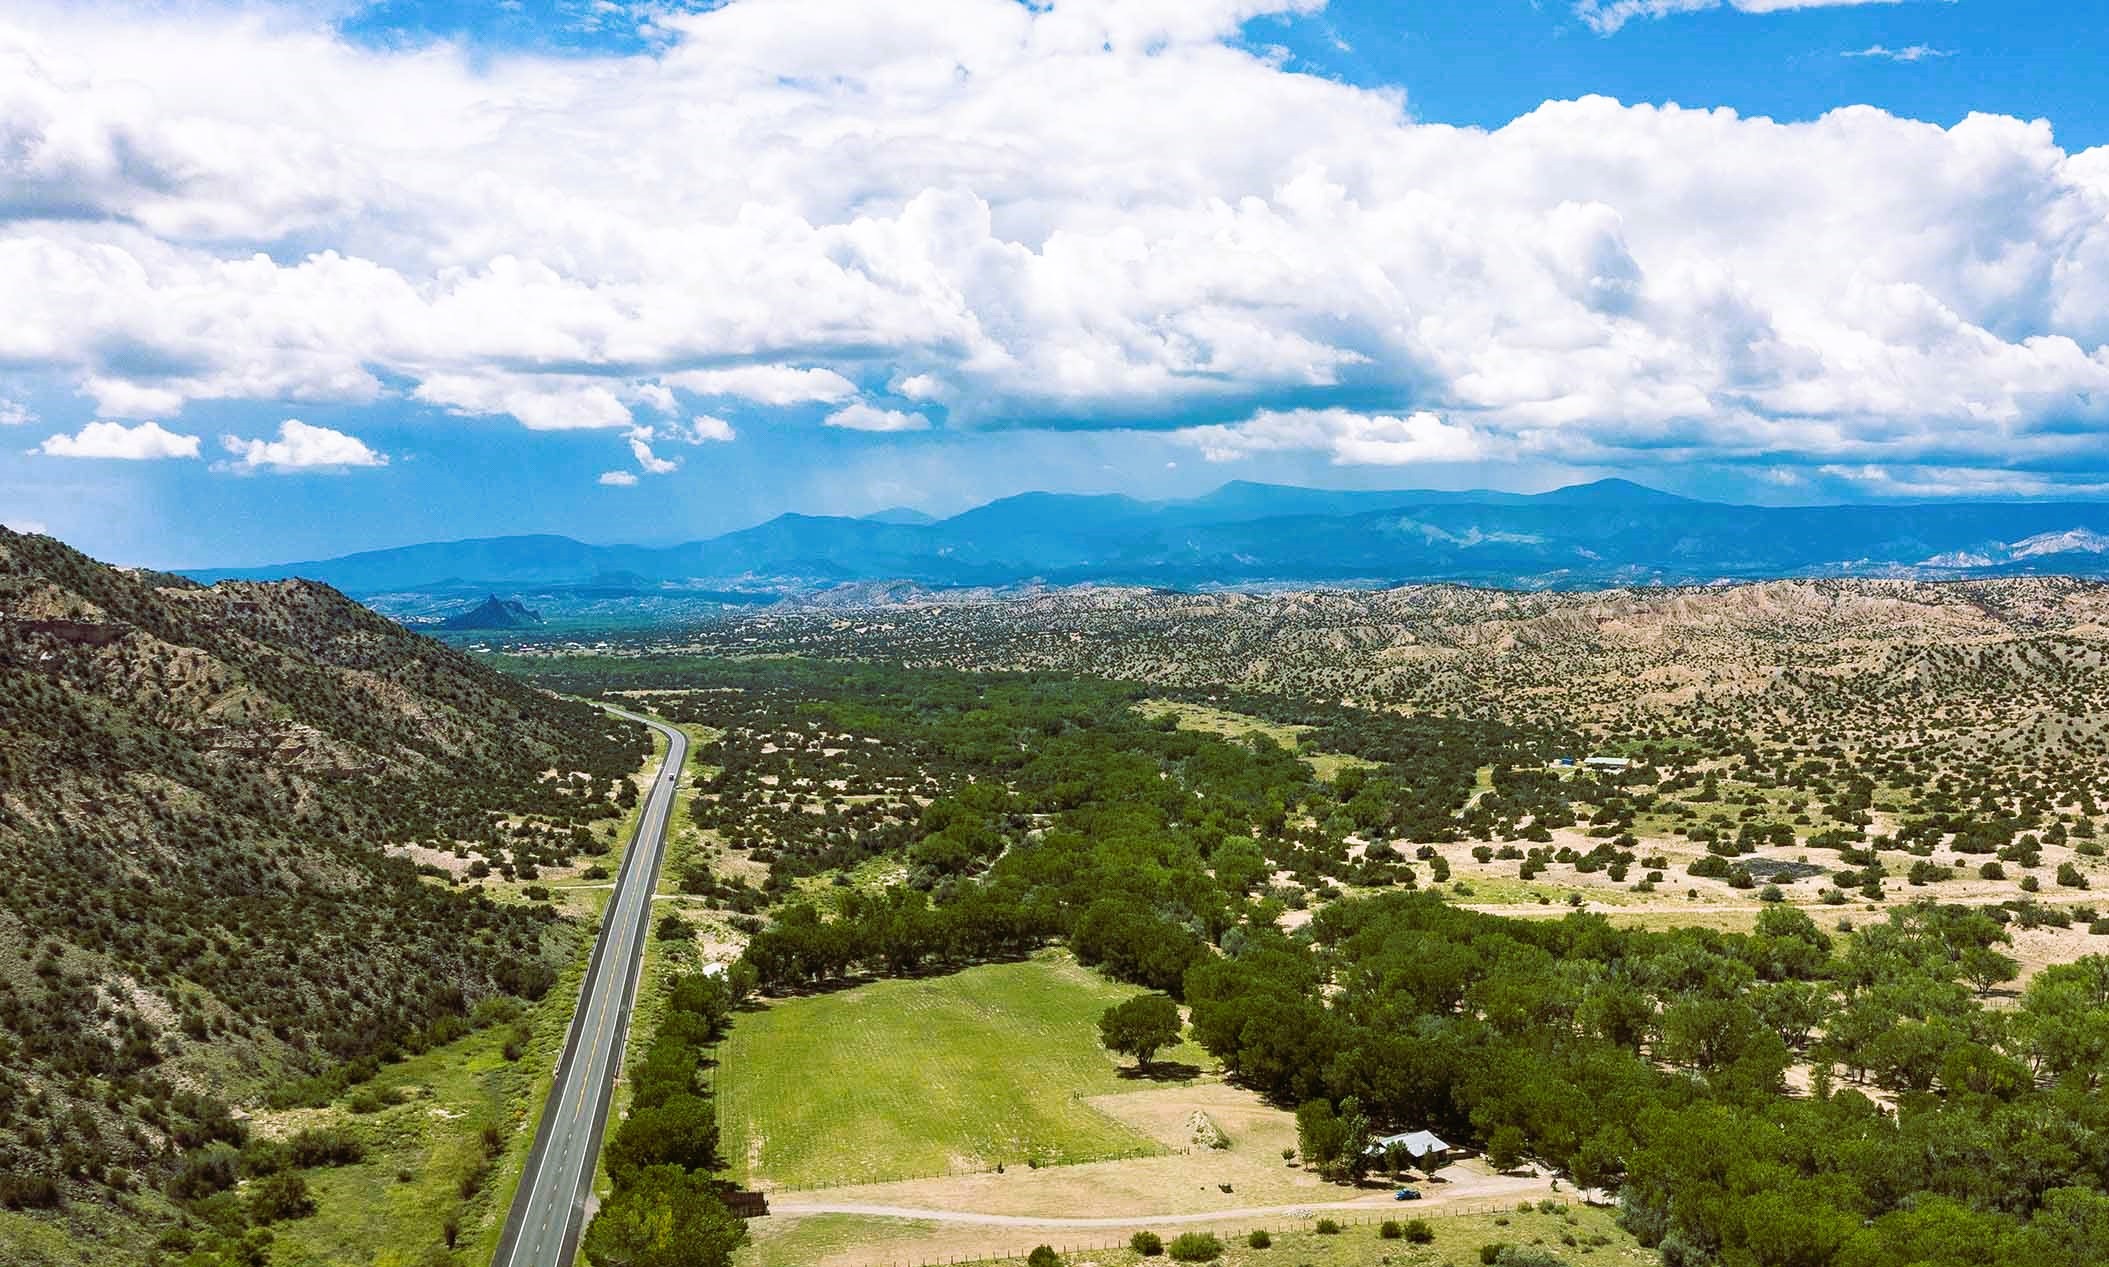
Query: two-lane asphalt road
[549,1209]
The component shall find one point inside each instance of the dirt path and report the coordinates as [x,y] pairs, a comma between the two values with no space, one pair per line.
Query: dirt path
[1502,1187]
[796,1208]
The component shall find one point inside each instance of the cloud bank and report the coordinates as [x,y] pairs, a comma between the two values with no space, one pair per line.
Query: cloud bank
[903,215]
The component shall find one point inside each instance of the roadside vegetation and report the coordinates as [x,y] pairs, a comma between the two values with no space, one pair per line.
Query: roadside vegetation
[666,1207]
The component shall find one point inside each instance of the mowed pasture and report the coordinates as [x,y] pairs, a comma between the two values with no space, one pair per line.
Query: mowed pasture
[943,1075]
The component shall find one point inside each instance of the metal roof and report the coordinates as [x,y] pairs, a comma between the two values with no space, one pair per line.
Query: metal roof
[1416,1142]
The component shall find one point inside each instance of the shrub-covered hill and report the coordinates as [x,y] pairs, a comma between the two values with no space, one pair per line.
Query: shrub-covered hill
[198,905]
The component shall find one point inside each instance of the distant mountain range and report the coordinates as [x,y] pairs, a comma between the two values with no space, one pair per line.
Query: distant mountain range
[1607,533]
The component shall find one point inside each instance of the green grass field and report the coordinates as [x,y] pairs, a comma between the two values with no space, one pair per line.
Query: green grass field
[908,1079]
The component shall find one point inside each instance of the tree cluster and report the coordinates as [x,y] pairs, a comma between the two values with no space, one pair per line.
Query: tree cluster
[668,1209]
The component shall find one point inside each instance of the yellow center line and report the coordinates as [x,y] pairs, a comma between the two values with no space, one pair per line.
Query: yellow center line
[651,827]
[598,1030]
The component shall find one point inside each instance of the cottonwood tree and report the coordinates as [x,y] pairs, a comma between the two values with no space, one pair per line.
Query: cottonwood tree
[1396,1157]
[666,1217]
[1984,967]
[1140,1027]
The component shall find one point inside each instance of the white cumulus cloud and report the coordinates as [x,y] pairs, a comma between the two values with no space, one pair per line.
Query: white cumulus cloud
[706,429]
[647,461]
[617,479]
[863,417]
[114,440]
[541,402]
[301,446]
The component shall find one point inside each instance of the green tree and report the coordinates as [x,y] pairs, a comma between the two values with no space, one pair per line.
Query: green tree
[1140,1027]
[1505,1148]
[682,1131]
[665,1217]
[1432,1160]
[1984,967]
[1318,1134]
[1936,1230]
[1355,1158]
[2072,1227]
[1395,1158]
[1239,866]
[1598,1162]
[1794,1229]
[1791,1009]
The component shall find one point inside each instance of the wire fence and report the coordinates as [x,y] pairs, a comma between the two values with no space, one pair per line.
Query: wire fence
[1346,1221]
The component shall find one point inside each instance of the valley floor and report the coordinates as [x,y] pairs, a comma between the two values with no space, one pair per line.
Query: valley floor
[970,1115]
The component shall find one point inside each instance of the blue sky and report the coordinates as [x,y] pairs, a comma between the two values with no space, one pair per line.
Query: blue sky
[1485,63]
[298,283]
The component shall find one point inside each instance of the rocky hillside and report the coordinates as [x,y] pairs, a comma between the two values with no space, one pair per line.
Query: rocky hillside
[198,792]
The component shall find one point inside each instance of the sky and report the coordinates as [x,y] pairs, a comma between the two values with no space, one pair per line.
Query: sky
[279,282]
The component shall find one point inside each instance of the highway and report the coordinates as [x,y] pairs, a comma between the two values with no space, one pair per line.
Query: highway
[549,1209]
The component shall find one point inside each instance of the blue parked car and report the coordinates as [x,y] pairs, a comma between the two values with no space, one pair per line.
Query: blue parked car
[1406,1194]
